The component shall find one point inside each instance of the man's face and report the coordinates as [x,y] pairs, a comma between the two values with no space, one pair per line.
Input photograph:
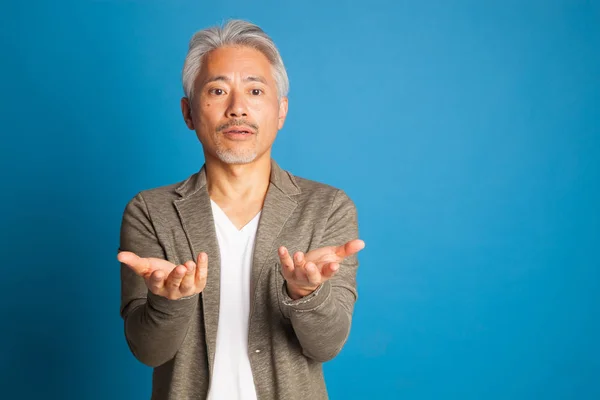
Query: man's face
[235,109]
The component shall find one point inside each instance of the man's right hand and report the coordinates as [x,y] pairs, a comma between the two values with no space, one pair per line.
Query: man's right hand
[167,279]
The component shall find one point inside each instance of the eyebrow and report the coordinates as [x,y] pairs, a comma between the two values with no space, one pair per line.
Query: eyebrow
[256,78]
[251,78]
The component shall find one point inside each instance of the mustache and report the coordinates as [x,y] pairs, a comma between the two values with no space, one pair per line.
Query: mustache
[237,122]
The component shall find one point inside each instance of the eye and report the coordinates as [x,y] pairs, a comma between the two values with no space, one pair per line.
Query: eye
[256,92]
[216,91]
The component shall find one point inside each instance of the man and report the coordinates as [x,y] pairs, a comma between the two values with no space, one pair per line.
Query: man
[239,282]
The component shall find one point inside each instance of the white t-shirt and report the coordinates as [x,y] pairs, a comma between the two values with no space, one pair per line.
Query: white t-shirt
[232,376]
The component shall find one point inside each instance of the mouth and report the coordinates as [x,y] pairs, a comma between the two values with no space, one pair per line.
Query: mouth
[239,130]
[238,133]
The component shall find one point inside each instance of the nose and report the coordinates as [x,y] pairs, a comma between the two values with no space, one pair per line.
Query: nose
[237,106]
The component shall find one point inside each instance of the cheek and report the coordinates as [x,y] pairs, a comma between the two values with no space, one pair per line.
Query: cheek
[208,112]
[267,114]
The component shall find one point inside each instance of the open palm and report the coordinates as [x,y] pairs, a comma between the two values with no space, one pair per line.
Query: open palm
[305,272]
[144,267]
[166,279]
[325,256]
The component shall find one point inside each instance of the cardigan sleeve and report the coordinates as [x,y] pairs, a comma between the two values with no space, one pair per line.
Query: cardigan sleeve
[322,319]
[155,326]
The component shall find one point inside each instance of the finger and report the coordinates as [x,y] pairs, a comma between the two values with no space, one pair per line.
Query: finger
[287,262]
[299,267]
[141,266]
[156,282]
[188,282]
[299,259]
[174,279]
[329,270]
[350,248]
[312,274]
[201,271]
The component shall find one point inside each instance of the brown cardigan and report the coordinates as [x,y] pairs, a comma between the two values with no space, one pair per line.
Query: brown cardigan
[288,340]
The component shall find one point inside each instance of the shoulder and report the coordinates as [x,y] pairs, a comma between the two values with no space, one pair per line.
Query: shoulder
[159,197]
[162,194]
[322,194]
[329,208]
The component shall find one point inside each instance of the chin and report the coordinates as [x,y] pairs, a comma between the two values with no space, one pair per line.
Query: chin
[229,157]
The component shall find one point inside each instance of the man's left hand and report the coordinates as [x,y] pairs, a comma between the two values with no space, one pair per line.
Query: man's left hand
[305,272]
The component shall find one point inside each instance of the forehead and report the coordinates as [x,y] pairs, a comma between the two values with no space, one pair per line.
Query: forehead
[233,61]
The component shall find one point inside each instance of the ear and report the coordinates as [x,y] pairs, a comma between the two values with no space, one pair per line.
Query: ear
[283,110]
[186,111]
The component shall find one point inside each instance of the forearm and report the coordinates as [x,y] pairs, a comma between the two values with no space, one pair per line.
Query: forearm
[322,320]
[156,328]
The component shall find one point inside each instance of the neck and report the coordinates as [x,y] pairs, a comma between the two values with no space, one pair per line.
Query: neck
[243,183]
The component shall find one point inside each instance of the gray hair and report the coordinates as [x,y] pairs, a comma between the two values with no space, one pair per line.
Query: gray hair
[233,33]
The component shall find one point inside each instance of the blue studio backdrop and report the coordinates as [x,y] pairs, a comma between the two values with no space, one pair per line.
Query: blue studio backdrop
[466,132]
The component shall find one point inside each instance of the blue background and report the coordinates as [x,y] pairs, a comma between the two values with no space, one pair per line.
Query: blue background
[466,132]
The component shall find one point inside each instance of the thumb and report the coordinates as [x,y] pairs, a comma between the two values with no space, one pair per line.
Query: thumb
[139,265]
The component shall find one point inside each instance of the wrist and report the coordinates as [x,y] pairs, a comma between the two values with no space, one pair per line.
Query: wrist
[296,293]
